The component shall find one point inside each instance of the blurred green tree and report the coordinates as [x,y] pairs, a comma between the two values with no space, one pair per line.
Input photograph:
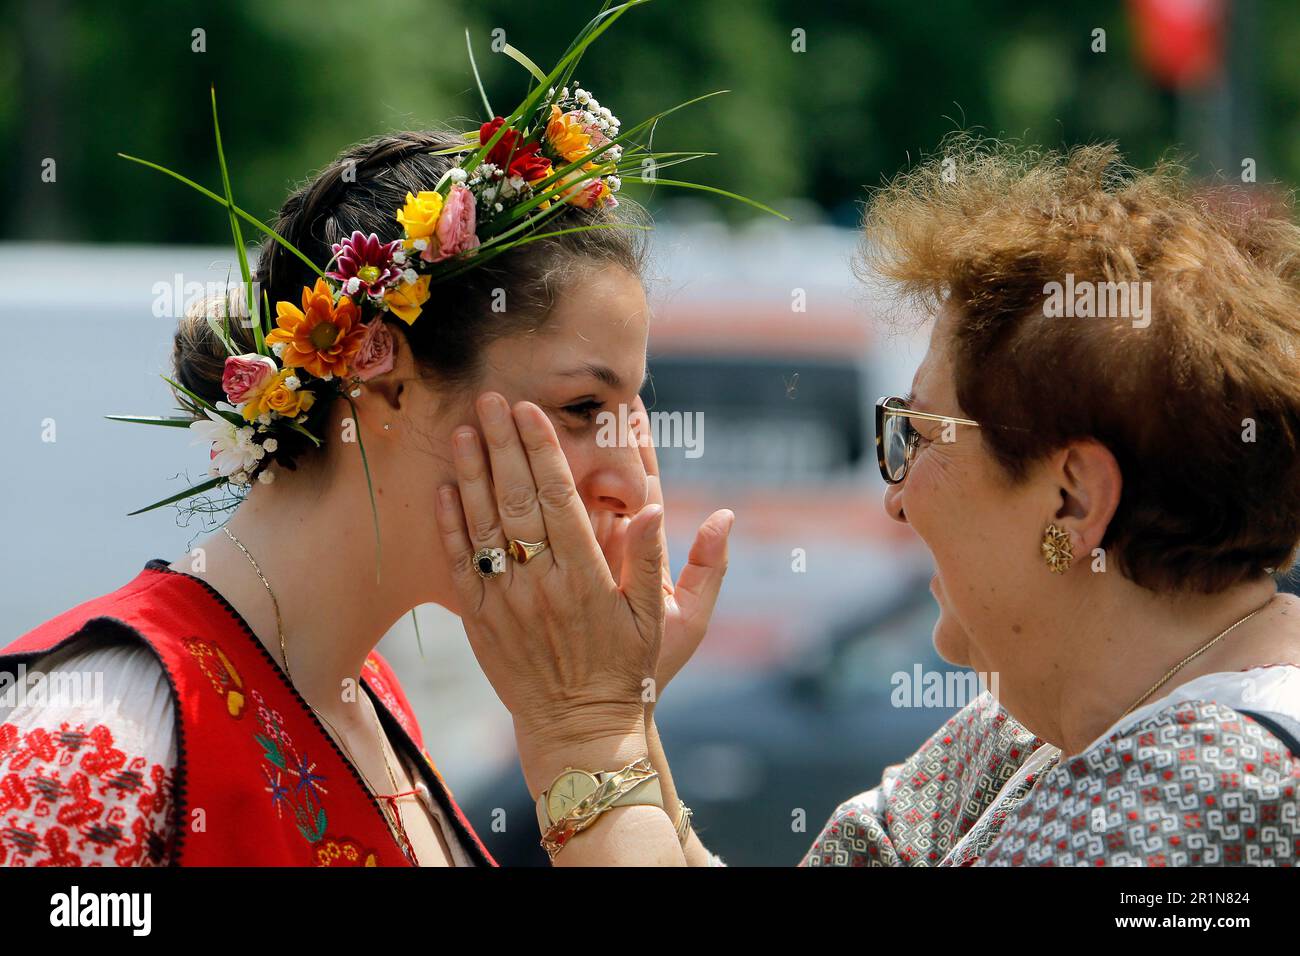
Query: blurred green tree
[826,98]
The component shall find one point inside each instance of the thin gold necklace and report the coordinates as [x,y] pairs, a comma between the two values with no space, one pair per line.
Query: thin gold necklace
[1195,654]
[395,822]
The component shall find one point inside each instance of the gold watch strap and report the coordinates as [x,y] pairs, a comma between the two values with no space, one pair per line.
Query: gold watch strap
[647,793]
[637,784]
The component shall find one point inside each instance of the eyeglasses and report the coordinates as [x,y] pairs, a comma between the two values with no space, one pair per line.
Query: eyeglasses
[897,438]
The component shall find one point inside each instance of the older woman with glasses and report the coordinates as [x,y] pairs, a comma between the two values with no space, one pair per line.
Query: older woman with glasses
[1108,482]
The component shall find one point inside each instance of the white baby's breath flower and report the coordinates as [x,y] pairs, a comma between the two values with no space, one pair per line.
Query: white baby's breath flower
[399,256]
[458,175]
[615,153]
[264,419]
[270,445]
[583,97]
[352,285]
[239,478]
[498,207]
[278,349]
[267,476]
[292,383]
[355,393]
[410,275]
[421,244]
[614,183]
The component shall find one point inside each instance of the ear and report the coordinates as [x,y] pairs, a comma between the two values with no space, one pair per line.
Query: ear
[382,397]
[1090,483]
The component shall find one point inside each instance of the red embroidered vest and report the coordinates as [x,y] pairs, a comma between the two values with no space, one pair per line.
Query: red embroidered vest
[258,780]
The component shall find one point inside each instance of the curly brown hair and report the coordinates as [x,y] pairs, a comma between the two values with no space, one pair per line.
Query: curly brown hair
[1201,406]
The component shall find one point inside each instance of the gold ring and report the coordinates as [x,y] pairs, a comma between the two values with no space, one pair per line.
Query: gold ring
[490,562]
[525,551]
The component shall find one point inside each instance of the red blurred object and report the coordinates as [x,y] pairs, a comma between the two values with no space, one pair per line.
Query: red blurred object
[1180,42]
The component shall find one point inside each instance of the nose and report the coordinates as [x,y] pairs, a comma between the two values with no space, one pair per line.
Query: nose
[615,479]
[894,502]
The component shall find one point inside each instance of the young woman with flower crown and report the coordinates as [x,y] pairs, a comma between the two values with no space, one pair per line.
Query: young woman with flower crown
[425,284]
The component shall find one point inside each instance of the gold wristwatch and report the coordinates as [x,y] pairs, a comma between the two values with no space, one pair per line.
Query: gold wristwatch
[576,798]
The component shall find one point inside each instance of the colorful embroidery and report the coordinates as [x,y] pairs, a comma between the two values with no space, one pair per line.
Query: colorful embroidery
[295,785]
[386,694]
[343,853]
[217,668]
[70,797]
[293,782]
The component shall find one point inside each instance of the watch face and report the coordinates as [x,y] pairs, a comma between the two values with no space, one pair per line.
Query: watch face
[568,790]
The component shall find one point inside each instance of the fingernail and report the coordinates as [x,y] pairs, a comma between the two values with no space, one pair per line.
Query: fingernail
[729,521]
[493,408]
[465,442]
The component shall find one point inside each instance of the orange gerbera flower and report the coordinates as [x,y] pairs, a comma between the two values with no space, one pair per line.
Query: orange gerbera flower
[321,337]
[567,135]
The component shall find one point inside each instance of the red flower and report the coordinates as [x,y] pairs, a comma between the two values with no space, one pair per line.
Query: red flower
[512,155]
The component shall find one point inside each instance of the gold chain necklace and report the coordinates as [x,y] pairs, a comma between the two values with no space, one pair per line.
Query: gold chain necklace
[1192,656]
[395,822]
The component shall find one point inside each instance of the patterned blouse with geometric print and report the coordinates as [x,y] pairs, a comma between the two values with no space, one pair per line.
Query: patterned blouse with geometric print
[1207,775]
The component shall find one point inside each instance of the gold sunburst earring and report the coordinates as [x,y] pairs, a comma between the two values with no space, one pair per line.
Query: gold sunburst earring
[1057,549]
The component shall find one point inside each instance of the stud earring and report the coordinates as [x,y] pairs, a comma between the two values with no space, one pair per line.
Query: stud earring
[1057,549]
[387,426]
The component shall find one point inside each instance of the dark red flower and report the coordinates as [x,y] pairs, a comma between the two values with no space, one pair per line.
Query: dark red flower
[512,155]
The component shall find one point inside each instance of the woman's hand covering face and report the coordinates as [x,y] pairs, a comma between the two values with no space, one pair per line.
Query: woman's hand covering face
[571,651]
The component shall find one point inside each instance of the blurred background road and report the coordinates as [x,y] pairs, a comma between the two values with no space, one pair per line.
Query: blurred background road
[760,328]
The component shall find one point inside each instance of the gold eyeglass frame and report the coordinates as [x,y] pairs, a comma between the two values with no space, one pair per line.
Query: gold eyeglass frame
[883,408]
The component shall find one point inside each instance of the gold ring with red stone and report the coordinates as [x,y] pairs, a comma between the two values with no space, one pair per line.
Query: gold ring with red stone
[525,551]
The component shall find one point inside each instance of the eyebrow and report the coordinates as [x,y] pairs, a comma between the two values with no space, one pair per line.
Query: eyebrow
[602,373]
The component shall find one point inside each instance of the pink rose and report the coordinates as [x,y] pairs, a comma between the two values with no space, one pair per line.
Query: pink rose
[245,375]
[456,225]
[375,355]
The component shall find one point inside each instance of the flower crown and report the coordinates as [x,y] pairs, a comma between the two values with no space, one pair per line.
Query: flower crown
[560,147]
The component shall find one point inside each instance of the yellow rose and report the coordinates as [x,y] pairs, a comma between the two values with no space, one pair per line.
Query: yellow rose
[419,217]
[405,301]
[277,398]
